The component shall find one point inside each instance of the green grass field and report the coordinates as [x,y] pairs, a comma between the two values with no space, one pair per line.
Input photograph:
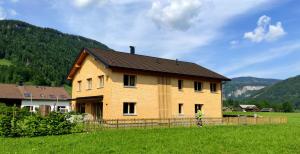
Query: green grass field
[5,62]
[211,139]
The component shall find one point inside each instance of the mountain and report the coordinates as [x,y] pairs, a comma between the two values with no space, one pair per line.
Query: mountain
[284,91]
[243,87]
[36,55]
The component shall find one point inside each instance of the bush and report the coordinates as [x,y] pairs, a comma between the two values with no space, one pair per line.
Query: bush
[17,123]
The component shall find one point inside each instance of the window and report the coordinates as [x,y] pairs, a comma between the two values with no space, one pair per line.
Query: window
[89,83]
[101,81]
[79,85]
[198,107]
[129,80]
[213,87]
[180,108]
[198,86]
[128,108]
[62,109]
[180,84]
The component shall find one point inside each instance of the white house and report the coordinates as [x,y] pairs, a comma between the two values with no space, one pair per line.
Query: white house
[33,96]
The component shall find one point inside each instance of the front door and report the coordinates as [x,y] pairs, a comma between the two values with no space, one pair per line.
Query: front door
[97,110]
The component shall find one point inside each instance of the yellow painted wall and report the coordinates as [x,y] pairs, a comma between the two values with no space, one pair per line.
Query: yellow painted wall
[92,69]
[153,97]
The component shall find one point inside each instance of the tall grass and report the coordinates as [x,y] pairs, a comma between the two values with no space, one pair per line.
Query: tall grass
[210,139]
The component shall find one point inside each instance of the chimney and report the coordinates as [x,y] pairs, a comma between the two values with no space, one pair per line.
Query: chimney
[132,50]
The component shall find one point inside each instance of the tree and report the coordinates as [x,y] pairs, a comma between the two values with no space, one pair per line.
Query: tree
[287,107]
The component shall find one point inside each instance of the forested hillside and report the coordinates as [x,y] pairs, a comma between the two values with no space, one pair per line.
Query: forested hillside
[285,91]
[36,55]
[243,87]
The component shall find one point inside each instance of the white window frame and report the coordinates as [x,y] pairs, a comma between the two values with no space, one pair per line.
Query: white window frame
[216,89]
[101,81]
[89,83]
[128,108]
[79,85]
[196,86]
[129,80]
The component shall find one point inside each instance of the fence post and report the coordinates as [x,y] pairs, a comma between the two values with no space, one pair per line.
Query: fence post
[169,123]
[117,123]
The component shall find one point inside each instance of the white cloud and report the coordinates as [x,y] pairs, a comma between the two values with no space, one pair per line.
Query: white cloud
[265,30]
[177,14]
[264,56]
[88,3]
[3,13]
[234,42]
[119,24]
[12,12]
[14,1]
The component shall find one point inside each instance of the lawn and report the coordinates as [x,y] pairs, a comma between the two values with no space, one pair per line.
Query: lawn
[210,139]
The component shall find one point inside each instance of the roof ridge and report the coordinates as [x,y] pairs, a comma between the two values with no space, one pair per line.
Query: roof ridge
[111,50]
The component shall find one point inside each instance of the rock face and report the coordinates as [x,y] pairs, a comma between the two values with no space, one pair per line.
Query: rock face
[243,87]
[244,91]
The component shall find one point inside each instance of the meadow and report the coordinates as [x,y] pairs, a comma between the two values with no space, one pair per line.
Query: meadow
[210,139]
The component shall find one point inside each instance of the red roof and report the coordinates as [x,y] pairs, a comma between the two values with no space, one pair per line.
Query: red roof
[11,91]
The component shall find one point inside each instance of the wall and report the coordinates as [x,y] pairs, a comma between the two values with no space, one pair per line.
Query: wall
[37,103]
[92,69]
[155,96]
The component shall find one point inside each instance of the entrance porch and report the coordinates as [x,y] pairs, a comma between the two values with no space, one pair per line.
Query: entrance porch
[91,106]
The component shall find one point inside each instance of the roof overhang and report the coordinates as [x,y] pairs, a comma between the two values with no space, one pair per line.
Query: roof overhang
[77,64]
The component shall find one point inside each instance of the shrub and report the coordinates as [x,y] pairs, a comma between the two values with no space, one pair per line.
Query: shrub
[17,122]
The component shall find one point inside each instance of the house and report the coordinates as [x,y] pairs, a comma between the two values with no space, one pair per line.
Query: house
[33,96]
[249,108]
[266,110]
[110,84]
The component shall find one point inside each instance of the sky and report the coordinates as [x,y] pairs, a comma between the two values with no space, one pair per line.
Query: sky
[235,38]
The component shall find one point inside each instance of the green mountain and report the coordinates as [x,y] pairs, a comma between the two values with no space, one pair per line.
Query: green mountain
[284,91]
[243,87]
[36,55]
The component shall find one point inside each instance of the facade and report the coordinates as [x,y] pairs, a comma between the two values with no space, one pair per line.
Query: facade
[32,97]
[117,85]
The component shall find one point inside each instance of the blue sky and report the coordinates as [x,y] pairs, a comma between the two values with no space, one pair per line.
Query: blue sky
[236,38]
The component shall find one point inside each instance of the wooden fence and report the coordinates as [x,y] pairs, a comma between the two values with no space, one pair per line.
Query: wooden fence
[180,122]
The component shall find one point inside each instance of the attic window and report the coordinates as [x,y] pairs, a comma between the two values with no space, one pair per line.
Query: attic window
[27,94]
[129,80]
[213,87]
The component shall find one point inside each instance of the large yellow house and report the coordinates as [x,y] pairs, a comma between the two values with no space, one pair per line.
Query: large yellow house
[108,84]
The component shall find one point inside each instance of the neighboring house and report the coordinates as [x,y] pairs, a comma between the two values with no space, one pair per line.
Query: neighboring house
[266,110]
[33,96]
[249,108]
[116,85]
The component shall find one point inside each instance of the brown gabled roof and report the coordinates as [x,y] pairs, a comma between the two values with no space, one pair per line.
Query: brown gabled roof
[115,59]
[10,91]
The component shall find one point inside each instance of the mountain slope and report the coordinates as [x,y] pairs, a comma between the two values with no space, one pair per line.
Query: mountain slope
[243,87]
[285,91]
[37,55]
